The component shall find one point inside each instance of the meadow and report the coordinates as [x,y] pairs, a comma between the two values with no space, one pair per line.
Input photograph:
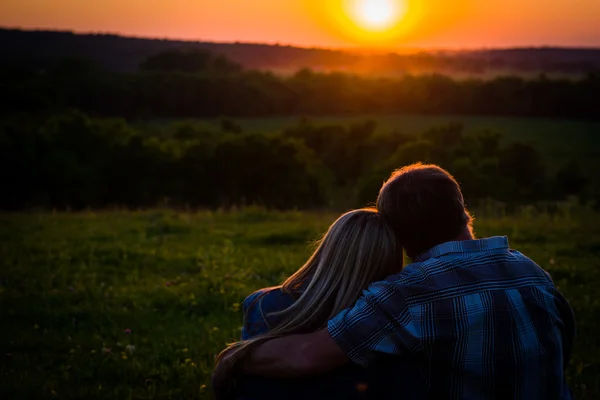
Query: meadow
[136,304]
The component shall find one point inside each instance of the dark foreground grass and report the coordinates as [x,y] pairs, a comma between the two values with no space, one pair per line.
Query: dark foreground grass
[137,304]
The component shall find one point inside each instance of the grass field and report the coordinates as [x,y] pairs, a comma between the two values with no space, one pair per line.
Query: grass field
[137,304]
[556,140]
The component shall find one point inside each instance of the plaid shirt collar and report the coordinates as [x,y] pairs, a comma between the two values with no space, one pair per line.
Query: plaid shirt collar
[465,246]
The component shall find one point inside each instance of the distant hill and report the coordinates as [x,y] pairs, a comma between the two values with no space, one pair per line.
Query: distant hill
[124,54]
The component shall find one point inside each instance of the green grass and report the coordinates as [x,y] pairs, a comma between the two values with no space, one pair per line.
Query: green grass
[72,283]
[556,139]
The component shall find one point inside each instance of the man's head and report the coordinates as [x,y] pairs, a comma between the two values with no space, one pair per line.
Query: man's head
[425,207]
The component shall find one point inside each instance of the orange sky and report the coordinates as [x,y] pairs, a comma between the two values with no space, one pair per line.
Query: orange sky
[323,23]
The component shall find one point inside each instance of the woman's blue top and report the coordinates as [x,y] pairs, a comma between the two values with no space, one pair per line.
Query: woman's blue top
[257,308]
[386,378]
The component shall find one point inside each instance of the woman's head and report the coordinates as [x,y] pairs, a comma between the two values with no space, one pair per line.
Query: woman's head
[358,249]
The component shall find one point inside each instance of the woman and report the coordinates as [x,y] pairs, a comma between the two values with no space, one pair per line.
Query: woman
[358,249]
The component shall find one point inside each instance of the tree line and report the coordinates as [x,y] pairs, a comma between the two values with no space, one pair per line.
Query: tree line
[73,160]
[197,84]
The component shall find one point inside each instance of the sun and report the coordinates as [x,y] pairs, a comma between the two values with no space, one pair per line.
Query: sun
[377,15]
[370,23]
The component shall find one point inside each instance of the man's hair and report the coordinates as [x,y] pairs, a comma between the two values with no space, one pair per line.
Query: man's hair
[425,207]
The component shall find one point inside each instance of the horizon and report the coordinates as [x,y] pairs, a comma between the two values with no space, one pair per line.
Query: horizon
[325,24]
[352,49]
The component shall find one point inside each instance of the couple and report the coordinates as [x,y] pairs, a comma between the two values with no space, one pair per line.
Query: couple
[468,319]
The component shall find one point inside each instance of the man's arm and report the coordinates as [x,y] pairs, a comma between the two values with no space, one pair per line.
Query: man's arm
[287,357]
[378,323]
[296,356]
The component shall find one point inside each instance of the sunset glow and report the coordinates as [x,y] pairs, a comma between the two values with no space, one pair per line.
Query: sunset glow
[324,23]
[377,15]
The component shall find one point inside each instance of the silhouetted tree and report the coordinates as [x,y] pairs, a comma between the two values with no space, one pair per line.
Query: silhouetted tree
[190,61]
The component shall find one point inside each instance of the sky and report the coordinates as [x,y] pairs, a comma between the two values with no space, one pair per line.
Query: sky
[456,24]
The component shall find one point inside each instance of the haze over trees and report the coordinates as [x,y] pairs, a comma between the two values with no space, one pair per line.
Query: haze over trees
[197,83]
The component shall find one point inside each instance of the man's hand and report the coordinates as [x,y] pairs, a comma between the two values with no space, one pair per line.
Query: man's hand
[296,356]
[224,383]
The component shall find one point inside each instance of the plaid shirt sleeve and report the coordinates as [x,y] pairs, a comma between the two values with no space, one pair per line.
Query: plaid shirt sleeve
[380,322]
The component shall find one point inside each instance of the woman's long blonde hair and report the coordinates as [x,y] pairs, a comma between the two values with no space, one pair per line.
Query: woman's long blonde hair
[359,248]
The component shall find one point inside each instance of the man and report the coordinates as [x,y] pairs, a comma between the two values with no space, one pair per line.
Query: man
[482,320]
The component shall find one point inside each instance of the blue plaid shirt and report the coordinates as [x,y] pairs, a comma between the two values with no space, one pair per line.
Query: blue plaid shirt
[483,320]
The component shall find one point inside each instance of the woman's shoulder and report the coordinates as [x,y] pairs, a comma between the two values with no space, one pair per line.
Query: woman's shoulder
[269,300]
[257,308]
